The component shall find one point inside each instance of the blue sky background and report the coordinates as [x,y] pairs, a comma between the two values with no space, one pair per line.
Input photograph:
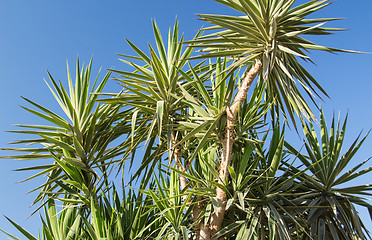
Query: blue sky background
[43,34]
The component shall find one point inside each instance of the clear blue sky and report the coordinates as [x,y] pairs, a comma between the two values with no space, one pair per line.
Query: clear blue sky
[43,34]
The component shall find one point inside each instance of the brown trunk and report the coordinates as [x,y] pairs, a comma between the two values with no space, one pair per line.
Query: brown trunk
[205,232]
[202,231]
[227,144]
[183,181]
[199,232]
[179,165]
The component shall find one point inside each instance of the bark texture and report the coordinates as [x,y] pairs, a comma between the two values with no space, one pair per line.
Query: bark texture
[205,233]
[202,231]
[227,144]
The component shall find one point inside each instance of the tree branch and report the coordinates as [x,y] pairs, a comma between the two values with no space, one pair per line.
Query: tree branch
[227,144]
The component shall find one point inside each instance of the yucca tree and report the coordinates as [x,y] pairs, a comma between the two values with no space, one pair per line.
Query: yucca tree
[66,225]
[76,146]
[258,197]
[159,92]
[171,207]
[129,215]
[327,191]
[229,172]
[267,40]
[153,94]
[204,126]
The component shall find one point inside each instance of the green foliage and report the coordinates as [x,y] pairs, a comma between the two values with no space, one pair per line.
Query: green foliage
[270,32]
[129,216]
[177,110]
[333,205]
[77,145]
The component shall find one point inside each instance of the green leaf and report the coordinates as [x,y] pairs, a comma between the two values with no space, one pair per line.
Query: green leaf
[22,230]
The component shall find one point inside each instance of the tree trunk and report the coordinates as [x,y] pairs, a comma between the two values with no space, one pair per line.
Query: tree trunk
[179,165]
[227,144]
[200,231]
[205,232]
